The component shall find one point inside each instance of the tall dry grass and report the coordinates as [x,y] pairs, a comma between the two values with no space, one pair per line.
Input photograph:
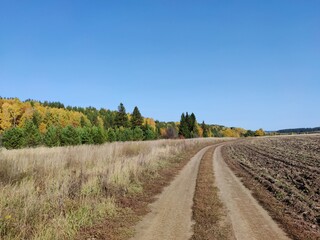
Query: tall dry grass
[49,193]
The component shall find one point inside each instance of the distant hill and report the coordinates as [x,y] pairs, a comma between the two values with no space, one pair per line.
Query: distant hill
[299,130]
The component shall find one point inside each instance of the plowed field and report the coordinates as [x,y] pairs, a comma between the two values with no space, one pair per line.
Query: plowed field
[284,175]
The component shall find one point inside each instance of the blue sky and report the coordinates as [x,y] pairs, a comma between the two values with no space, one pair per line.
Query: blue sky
[250,64]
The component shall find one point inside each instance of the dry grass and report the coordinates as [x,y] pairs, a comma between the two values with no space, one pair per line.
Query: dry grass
[209,214]
[50,193]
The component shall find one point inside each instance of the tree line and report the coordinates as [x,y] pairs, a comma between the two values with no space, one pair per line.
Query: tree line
[32,123]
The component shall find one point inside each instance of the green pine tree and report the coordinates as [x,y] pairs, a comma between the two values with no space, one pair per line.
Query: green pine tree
[192,126]
[13,138]
[85,135]
[52,137]
[183,127]
[111,135]
[98,135]
[70,136]
[121,119]
[32,134]
[137,134]
[136,118]
[204,130]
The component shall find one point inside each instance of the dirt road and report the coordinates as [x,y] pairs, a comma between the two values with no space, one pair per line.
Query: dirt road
[248,218]
[171,214]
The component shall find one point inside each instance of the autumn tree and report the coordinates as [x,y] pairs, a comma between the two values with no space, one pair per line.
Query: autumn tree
[108,118]
[36,118]
[10,114]
[259,132]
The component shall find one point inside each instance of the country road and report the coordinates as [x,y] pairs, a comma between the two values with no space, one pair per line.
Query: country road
[170,217]
[249,220]
[171,214]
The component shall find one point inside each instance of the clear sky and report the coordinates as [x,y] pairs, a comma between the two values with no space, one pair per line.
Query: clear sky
[250,64]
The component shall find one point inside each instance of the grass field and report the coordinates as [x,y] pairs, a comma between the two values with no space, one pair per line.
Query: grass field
[284,174]
[51,193]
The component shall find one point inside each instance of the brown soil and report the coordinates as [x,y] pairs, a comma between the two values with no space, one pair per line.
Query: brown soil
[283,174]
[249,220]
[209,213]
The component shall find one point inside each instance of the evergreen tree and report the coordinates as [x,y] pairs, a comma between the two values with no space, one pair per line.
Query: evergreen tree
[127,134]
[183,127]
[193,126]
[136,118]
[149,133]
[70,136]
[121,119]
[111,135]
[204,130]
[249,133]
[52,137]
[13,138]
[98,135]
[137,134]
[32,134]
[85,135]
[124,134]
[188,126]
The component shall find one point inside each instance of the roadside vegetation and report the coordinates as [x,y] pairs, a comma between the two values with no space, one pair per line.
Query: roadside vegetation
[209,214]
[53,193]
[284,175]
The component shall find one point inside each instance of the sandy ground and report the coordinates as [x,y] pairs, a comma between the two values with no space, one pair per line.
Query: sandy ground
[171,214]
[249,220]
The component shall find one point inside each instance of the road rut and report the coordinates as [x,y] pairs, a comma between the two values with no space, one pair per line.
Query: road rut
[249,220]
[171,214]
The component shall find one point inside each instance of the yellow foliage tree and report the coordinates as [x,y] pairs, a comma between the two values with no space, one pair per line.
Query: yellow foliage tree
[150,122]
[259,132]
[228,132]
